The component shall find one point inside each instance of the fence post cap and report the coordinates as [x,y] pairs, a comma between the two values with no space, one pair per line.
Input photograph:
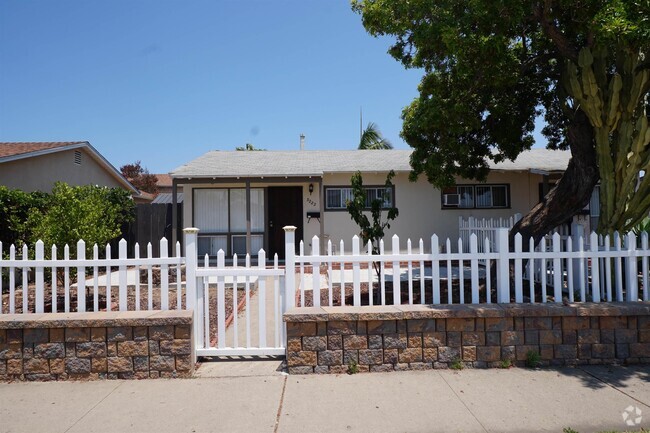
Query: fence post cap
[289,228]
[190,230]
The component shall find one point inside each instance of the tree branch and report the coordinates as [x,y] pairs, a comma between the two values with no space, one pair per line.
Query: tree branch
[564,47]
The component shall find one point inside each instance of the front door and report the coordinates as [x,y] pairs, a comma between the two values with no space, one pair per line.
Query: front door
[285,209]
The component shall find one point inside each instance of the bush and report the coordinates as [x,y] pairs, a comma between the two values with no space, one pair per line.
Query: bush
[92,213]
[15,208]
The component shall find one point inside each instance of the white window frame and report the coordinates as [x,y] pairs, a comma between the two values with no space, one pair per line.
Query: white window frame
[346,194]
[468,193]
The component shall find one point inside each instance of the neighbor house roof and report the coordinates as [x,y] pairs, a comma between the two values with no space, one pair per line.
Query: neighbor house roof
[163,180]
[13,151]
[219,164]
[16,149]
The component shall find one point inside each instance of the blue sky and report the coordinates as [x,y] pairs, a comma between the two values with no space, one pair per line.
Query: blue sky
[165,81]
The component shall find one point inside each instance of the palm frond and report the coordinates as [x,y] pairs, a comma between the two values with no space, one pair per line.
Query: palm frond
[371,139]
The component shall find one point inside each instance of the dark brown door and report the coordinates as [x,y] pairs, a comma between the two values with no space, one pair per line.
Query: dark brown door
[285,209]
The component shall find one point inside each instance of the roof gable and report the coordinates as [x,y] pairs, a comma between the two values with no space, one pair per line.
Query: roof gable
[12,151]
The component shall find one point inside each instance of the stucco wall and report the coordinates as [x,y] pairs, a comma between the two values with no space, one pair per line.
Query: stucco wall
[420,210]
[310,203]
[41,172]
[419,204]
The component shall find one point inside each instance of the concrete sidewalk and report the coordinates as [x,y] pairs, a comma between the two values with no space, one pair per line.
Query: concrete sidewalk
[255,396]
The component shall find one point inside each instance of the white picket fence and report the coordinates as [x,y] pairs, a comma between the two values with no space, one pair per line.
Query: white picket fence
[548,272]
[257,295]
[228,339]
[93,276]
[484,228]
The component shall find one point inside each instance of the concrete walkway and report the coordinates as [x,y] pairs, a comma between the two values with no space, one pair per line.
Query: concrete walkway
[255,396]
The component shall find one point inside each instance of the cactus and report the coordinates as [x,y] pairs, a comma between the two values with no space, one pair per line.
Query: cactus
[615,104]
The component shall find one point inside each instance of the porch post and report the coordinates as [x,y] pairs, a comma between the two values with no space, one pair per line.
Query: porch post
[290,266]
[321,191]
[248,217]
[174,212]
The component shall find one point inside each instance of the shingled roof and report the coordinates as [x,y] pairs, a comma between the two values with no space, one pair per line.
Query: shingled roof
[25,147]
[318,162]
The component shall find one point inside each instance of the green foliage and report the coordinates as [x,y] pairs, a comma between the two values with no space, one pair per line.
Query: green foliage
[92,213]
[533,359]
[490,68]
[371,139]
[140,177]
[353,367]
[247,147]
[506,363]
[568,430]
[15,208]
[643,226]
[370,231]
[457,364]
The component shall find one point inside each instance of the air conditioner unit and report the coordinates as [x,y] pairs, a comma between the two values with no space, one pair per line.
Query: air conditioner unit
[451,199]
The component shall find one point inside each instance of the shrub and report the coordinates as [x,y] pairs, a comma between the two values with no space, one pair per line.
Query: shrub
[92,213]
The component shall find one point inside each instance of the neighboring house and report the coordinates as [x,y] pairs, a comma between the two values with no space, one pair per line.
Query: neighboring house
[36,166]
[164,182]
[241,200]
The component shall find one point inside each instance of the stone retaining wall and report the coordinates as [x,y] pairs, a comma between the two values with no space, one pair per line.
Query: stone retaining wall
[124,345]
[334,339]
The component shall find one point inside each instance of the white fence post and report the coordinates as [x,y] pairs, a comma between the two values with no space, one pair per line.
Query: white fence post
[123,305]
[631,267]
[503,269]
[81,277]
[356,273]
[290,265]
[315,272]
[577,232]
[40,278]
[397,285]
[191,263]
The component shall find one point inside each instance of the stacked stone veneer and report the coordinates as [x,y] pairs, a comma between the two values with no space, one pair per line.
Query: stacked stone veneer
[330,340]
[126,345]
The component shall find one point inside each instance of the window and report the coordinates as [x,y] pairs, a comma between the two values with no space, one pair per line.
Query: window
[476,197]
[336,198]
[77,157]
[220,214]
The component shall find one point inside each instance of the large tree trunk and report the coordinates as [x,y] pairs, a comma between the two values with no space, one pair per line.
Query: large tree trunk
[572,192]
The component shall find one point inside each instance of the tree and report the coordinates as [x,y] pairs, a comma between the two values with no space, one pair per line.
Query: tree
[15,208]
[92,213]
[140,177]
[371,232]
[247,147]
[491,67]
[371,139]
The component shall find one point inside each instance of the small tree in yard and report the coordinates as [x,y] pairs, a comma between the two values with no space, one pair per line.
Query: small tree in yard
[373,231]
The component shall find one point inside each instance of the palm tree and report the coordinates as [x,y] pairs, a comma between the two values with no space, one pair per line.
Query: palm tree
[371,139]
[247,147]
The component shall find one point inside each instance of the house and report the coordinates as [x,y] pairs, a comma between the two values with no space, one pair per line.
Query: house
[164,196]
[36,166]
[241,200]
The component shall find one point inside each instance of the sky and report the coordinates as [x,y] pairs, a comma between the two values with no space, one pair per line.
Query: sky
[165,81]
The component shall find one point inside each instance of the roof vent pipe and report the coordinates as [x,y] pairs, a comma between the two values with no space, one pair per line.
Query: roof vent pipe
[302,141]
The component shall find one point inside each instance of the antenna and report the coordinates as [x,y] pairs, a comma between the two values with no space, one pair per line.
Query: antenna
[360,123]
